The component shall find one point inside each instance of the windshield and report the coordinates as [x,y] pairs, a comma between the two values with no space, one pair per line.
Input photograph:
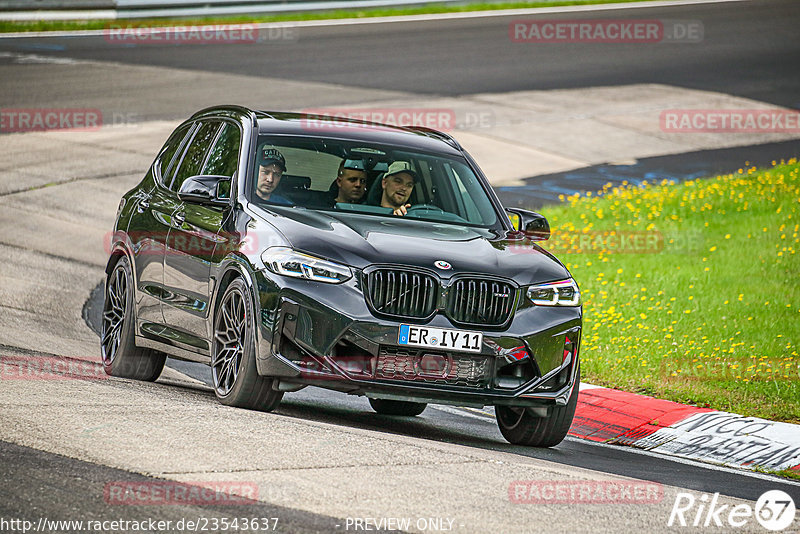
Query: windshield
[343,176]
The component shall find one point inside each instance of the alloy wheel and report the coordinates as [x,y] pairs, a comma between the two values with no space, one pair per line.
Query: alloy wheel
[510,416]
[114,310]
[229,337]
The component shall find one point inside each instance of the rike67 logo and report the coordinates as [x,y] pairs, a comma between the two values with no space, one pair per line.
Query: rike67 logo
[774,510]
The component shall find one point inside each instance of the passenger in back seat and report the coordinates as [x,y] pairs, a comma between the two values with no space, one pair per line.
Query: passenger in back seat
[351,182]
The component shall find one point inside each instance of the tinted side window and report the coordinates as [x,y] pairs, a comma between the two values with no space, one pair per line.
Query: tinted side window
[168,151]
[223,160]
[196,154]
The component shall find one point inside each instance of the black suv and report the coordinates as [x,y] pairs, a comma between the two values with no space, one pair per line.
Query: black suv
[289,250]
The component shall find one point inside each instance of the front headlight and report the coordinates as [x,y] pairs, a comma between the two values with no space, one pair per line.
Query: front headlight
[564,293]
[288,262]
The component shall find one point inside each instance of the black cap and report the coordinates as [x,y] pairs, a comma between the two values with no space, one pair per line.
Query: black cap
[269,156]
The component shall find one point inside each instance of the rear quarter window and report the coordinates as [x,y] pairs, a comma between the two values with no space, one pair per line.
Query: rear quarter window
[167,154]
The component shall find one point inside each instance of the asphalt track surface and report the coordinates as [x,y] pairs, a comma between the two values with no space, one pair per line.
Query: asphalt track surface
[477,428]
[755,51]
[749,49]
[29,486]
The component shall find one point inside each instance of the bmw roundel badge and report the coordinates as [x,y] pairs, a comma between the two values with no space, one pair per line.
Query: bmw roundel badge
[441,264]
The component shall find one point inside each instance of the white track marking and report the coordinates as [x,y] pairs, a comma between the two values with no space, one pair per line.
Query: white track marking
[686,461]
[416,18]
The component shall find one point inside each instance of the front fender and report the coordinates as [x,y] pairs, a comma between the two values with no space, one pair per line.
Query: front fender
[239,266]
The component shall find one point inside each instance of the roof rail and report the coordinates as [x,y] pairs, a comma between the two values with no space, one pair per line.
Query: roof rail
[265,114]
[227,107]
[430,132]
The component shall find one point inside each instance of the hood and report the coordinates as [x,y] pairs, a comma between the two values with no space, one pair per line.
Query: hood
[361,240]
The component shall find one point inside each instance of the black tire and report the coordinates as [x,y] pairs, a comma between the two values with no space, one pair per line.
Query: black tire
[233,361]
[120,355]
[520,427]
[393,407]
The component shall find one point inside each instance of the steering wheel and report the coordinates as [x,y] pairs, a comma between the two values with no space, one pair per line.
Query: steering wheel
[429,207]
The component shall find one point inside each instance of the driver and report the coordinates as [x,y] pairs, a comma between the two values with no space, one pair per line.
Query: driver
[398,184]
[271,166]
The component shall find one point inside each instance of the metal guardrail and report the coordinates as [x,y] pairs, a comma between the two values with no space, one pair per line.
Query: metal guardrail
[37,5]
[32,5]
[29,10]
[137,4]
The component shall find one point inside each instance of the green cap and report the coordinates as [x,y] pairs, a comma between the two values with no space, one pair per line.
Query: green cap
[401,166]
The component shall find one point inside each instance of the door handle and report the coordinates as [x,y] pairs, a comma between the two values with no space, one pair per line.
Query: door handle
[179,218]
[143,205]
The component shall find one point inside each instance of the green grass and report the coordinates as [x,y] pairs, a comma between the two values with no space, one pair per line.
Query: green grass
[708,311]
[36,26]
[785,473]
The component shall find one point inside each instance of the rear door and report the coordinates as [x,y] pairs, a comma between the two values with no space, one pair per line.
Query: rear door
[148,231]
[194,235]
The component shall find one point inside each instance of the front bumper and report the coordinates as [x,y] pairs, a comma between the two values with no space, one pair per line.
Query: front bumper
[331,340]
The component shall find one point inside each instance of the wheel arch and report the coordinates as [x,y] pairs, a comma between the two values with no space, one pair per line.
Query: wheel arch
[231,268]
[114,257]
[122,250]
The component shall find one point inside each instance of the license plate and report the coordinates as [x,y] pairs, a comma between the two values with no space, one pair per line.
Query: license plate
[440,338]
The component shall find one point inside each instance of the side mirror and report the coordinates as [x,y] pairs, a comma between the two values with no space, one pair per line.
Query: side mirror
[208,189]
[530,223]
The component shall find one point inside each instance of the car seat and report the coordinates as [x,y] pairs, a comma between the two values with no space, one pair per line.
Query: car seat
[375,191]
[295,188]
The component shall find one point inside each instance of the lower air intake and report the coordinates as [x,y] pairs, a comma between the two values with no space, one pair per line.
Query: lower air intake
[433,368]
